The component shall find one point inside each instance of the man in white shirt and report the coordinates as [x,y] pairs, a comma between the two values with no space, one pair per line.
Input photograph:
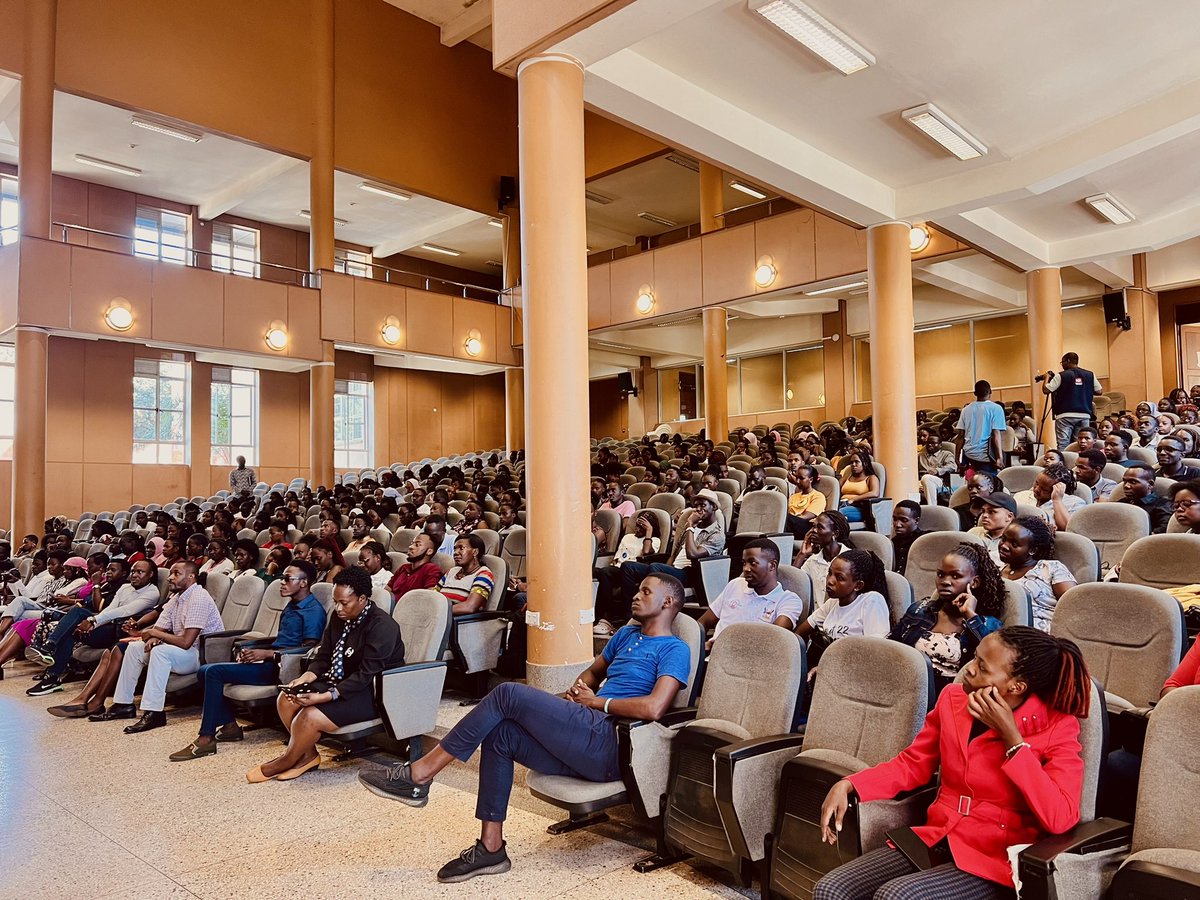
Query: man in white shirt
[755,597]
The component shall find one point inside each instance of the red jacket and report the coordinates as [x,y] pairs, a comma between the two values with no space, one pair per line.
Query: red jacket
[986,803]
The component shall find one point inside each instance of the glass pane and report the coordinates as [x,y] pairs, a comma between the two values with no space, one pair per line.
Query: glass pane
[145,453]
[170,454]
[221,430]
[8,353]
[805,378]
[6,419]
[145,393]
[7,382]
[762,383]
[1002,351]
[170,394]
[220,456]
[242,432]
[944,360]
[6,446]
[143,425]
[339,459]
[243,402]
[173,369]
[170,427]
[862,369]
[243,376]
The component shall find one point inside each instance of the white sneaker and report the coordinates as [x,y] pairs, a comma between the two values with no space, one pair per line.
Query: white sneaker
[602,628]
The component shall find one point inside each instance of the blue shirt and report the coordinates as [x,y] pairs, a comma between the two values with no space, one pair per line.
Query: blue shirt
[636,662]
[300,622]
[977,422]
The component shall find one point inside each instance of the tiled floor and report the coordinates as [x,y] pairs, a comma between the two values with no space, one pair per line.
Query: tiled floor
[133,824]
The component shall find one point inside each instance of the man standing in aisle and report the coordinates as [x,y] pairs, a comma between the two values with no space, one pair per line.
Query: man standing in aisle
[242,479]
[1072,391]
[980,424]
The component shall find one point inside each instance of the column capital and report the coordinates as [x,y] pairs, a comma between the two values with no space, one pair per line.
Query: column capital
[36,329]
[1043,269]
[878,225]
[549,57]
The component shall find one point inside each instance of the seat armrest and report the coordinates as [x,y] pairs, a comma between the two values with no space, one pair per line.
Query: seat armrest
[742,750]
[651,558]
[746,789]
[408,697]
[1088,837]
[674,717]
[484,615]
[604,559]
[217,646]
[1146,879]
[644,756]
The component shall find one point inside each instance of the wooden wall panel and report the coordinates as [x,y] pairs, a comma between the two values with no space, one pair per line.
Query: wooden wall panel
[458,413]
[841,249]
[97,278]
[429,316]
[678,281]
[424,423]
[599,296]
[468,316]
[185,302]
[626,277]
[728,264]
[790,241]
[108,402]
[489,412]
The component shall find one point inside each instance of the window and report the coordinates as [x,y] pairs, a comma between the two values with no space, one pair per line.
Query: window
[234,416]
[8,210]
[160,412]
[352,432]
[161,234]
[352,262]
[8,393]
[235,249]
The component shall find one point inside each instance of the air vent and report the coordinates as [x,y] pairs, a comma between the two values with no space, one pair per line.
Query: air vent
[658,220]
[599,198]
[686,161]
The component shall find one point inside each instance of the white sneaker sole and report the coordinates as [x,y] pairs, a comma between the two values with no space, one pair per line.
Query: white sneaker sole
[417,802]
[498,869]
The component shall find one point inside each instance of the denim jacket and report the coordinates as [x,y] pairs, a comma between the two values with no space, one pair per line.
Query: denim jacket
[921,617]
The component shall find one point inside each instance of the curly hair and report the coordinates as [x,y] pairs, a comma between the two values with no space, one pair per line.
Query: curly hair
[841,525]
[1053,668]
[991,592]
[1041,538]
[1061,474]
[867,568]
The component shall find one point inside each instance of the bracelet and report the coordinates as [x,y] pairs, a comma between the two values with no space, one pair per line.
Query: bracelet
[606,702]
[1011,751]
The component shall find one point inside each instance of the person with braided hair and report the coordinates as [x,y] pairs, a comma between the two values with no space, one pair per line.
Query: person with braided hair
[857,601]
[948,627]
[1027,551]
[1015,716]
[1053,492]
[825,539]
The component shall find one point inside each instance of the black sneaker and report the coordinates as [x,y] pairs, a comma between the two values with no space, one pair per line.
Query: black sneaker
[45,686]
[475,860]
[395,784]
[229,733]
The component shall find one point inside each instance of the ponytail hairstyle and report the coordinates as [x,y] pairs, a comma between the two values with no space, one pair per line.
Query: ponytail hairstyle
[869,569]
[841,525]
[991,592]
[1041,544]
[1052,667]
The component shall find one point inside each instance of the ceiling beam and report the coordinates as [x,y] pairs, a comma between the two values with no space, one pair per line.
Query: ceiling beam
[241,189]
[1113,272]
[468,23]
[425,233]
[964,281]
[10,101]
[987,230]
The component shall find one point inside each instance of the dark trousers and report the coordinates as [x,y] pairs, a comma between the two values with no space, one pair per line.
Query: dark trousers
[798,527]
[979,465]
[886,874]
[214,677]
[519,723]
[64,638]
[610,596]
[632,574]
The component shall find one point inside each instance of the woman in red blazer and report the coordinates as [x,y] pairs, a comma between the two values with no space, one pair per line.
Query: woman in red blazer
[1007,743]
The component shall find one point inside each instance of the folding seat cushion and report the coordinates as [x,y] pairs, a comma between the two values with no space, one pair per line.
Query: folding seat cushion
[1162,561]
[925,555]
[1112,527]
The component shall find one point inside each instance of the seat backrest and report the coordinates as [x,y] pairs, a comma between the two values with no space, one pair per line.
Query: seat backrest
[662,523]
[1018,606]
[939,518]
[242,602]
[1162,560]
[424,619]
[1131,636]
[900,595]
[499,569]
[670,503]
[1093,743]
[1079,555]
[270,609]
[491,541]
[218,586]
[729,486]
[1170,781]
[1111,527]
[763,512]
[689,631]
[879,544]
[513,552]
[831,488]
[926,554]
[610,521]
[643,491]
[870,698]
[797,581]
[1019,478]
[324,594]
[753,678]
[401,538]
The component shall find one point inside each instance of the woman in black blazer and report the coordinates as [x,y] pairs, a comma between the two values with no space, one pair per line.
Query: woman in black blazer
[360,641]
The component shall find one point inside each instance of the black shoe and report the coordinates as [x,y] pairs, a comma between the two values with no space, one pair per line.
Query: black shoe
[116,711]
[45,686]
[229,733]
[146,722]
[475,860]
[395,784]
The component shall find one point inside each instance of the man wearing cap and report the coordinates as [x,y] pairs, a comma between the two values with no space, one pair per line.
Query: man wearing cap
[704,536]
[998,512]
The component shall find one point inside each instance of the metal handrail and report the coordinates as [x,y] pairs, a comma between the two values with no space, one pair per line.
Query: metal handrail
[428,279]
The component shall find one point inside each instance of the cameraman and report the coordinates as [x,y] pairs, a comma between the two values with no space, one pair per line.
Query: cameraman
[1073,390]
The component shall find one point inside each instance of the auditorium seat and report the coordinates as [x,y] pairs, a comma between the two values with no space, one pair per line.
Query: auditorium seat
[879,544]
[1162,561]
[1111,527]
[1078,554]
[939,518]
[925,555]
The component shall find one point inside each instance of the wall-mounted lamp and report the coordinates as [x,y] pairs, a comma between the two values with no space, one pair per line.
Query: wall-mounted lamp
[390,332]
[918,238]
[276,336]
[474,343]
[118,316]
[765,272]
[645,300]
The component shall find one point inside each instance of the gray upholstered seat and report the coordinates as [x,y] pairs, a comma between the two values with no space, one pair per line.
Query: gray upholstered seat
[401,538]
[925,555]
[939,518]
[669,503]
[1079,554]
[879,544]
[1162,560]
[513,552]
[1112,527]
[1019,478]
[762,512]
[477,639]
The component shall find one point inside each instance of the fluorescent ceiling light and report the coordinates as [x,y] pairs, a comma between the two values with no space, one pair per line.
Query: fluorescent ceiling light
[686,161]
[803,24]
[597,197]
[305,214]
[1074,306]
[445,251]
[746,189]
[929,328]
[941,128]
[837,289]
[494,263]
[658,220]
[384,191]
[1107,206]
[182,134]
[110,166]
[495,223]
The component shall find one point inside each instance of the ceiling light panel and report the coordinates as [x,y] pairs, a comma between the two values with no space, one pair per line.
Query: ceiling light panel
[685,161]
[109,166]
[597,197]
[945,131]
[747,189]
[658,220]
[805,25]
[384,191]
[1107,207]
[182,134]
[445,251]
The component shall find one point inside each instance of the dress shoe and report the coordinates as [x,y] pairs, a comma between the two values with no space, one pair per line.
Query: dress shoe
[146,722]
[299,770]
[229,733]
[69,711]
[256,776]
[116,711]
[194,750]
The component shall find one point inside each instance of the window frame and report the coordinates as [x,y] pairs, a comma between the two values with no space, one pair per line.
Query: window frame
[346,451]
[358,263]
[230,263]
[141,367]
[10,209]
[223,377]
[8,399]
[180,255]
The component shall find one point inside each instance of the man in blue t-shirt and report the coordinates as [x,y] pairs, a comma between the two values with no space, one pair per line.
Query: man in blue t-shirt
[981,423]
[637,676]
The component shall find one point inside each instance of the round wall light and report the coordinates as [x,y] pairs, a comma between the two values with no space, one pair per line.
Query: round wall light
[390,332]
[276,336]
[118,316]
[765,272]
[918,238]
[645,300]
[473,344]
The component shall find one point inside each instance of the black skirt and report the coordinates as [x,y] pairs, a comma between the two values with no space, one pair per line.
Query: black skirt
[358,707]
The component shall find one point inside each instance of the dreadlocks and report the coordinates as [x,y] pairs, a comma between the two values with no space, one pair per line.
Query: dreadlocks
[867,568]
[991,592]
[1052,667]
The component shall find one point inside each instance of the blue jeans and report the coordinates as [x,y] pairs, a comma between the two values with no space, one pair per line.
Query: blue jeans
[516,722]
[63,638]
[632,574]
[214,677]
[1066,430]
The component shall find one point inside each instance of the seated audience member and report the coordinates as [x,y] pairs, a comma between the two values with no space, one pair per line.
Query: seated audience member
[469,584]
[360,532]
[1053,492]
[303,547]
[169,646]
[979,485]
[671,482]
[194,549]
[277,560]
[806,502]
[360,641]
[66,580]
[301,623]
[1138,486]
[1189,414]
[435,527]
[610,608]
[1116,448]
[1186,674]
[1163,424]
[856,603]
[1186,440]
[11,584]
[245,558]
[1051,457]
[1185,501]
[703,536]
[1104,428]
[278,538]
[330,530]
[1027,551]
[757,596]
[637,675]
[154,550]
[1170,460]
[614,498]
[934,465]
[998,512]
[327,559]
[419,572]
[859,483]
[597,488]
[1147,431]
[90,700]
[1087,439]
[823,543]
[508,522]
[906,528]
[948,626]
[1145,408]
[217,561]
[28,547]
[1089,471]
[373,559]
[472,518]
[131,547]
[1019,702]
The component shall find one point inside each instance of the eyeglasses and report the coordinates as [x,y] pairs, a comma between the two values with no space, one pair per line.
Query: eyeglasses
[294,578]
[1183,505]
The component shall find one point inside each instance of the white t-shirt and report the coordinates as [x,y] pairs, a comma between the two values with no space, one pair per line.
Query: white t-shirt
[817,568]
[867,615]
[631,548]
[738,603]
[992,543]
[1071,502]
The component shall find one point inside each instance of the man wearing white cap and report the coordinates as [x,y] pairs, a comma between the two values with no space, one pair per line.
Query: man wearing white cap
[705,536]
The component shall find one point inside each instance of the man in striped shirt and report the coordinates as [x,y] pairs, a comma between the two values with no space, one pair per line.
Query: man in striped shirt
[469,584]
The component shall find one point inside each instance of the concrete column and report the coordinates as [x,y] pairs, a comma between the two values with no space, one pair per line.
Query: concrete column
[893,363]
[1043,293]
[554,285]
[320,167]
[511,236]
[712,197]
[37,120]
[29,442]
[514,409]
[320,418]
[716,376]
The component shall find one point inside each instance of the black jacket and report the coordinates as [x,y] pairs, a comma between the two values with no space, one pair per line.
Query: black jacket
[372,647]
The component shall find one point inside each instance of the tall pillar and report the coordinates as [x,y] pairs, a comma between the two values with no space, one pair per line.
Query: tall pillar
[320,418]
[514,409]
[716,376]
[554,287]
[511,237]
[37,119]
[1043,293]
[893,362]
[712,197]
[29,441]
